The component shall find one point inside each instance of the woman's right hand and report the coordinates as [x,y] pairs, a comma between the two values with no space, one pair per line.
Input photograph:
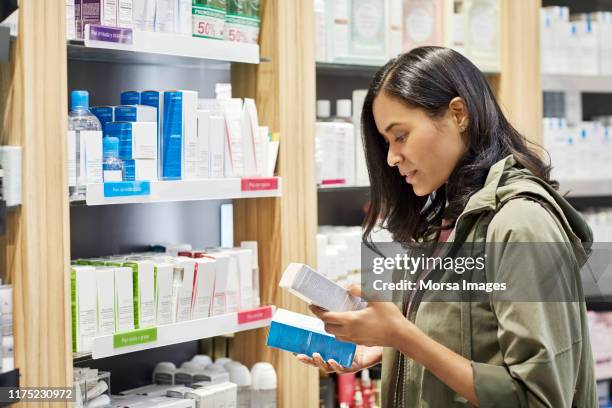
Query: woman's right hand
[365,357]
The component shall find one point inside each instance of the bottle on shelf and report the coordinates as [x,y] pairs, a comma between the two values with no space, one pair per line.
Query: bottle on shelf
[112,167]
[345,133]
[84,146]
[263,386]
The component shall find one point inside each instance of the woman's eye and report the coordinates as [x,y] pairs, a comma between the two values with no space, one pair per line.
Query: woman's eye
[400,138]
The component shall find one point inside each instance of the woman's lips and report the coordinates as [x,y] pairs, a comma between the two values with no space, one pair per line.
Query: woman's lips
[410,176]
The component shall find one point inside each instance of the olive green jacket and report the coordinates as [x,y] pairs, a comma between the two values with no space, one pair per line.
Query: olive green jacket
[524,354]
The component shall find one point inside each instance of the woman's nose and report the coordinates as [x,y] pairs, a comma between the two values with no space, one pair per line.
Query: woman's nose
[393,159]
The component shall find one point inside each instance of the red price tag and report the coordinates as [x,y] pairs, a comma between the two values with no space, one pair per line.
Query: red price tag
[255,315]
[259,184]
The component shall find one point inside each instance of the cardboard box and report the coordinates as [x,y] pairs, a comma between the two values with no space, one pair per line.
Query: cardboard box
[303,334]
[203,287]
[140,170]
[143,279]
[105,300]
[135,113]
[179,136]
[312,287]
[137,140]
[84,324]
[124,299]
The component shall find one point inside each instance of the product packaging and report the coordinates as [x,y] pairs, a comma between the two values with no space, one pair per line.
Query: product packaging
[165,13]
[125,13]
[140,169]
[312,287]
[135,113]
[179,136]
[130,98]
[143,278]
[242,21]
[91,161]
[144,15]
[70,20]
[234,153]
[105,114]
[303,334]
[163,292]
[211,139]
[185,294]
[422,23]
[203,287]
[124,299]
[84,325]
[137,140]
[105,300]
[209,18]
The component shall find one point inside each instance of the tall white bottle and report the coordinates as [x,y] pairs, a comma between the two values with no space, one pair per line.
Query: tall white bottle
[84,146]
[263,386]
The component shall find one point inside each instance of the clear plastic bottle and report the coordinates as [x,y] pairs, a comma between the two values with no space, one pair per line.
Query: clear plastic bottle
[112,166]
[80,119]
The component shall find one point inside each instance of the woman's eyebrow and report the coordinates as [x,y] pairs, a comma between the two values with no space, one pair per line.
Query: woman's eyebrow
[388,128]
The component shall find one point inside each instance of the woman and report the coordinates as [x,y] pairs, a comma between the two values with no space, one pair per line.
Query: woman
[445,163]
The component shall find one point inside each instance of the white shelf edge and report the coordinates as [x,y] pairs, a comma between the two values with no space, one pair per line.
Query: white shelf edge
[181,332]
[580,83]
[186,190]
[183,46]
[586,188]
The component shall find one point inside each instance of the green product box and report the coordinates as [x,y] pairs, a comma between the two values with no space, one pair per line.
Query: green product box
[209,18]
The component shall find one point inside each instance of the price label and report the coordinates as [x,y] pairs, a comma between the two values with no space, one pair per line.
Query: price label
[259,184]
[255,315]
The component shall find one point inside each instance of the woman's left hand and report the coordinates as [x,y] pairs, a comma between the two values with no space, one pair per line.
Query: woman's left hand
[379,324]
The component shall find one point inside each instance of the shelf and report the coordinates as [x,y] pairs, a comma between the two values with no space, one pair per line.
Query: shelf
[191,330]
[181,190]
[359,70]
[586,188]
[174,49]
[577,83]
[327,189]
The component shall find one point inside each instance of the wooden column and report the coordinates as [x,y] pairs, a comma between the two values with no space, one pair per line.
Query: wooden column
[36,248]
[284,88]
[520,85]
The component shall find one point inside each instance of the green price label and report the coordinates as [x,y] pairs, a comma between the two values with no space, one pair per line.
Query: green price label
[135,337]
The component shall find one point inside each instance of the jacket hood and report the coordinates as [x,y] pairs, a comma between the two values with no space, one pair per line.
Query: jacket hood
[506,180]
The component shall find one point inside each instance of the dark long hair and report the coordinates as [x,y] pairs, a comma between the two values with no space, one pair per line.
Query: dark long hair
[429,78]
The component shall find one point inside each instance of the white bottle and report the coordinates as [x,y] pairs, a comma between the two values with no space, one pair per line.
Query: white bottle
[240,375]
[263,386]
[345,134]
[83,127]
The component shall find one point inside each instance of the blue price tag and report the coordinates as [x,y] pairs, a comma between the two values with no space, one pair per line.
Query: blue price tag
[127,188]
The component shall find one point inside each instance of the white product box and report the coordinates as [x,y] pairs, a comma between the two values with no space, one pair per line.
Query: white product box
[484,33]
[91,161]
[135,113]
[361,168]
[219,305]
[108,13]
[218,146]
[70,20]
[262,152]
[338,14]
[164,16]
[234,153]
[140,169]
[163,292]
[203,287]
[184,17]
[320,31]
[144,288]
[138,141]
[218,395]
[124,299]
[125,13]
[250,134]
[312,287]
[11,162]
[232,279]
[185,294]
[144,15]
[141,401]
[105,299]
[83,284]
[395,27]
[368,31]
[245,267]
[203,167]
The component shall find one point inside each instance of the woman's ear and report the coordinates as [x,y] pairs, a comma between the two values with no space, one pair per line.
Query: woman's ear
[459,113]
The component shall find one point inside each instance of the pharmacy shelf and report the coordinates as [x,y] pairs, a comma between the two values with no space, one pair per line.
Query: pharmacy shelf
[328,189]
[191,330]
[181,190]
[163,49]
[360,70]
[586,188]
[576,83]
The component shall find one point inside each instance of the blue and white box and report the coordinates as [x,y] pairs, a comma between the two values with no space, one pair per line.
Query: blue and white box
[104,114]
[130,98]
[140,170]
[135,113]
[179,141]
[303,334]
[137,140]
[156,100]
